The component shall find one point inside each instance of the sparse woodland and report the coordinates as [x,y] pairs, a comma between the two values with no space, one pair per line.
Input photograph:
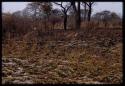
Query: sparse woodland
[43,44]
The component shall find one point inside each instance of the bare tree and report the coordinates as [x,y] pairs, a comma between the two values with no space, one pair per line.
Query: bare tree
[84,4]
[55,17]
[7,25]
[46,8]
[77,13]
[65,9]
[89,4]
[85,10]
[38,11]
[33,10]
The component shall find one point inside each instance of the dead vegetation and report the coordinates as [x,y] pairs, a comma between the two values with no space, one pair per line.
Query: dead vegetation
[45,45]
[95,58]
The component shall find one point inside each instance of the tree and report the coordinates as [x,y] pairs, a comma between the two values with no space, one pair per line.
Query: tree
[38,11]
[77,13]
[21,23]
[106,16]
[46,7]
[7,25]
[89,4]
[18,14]
[34,11]
[114,16]
[65,9]
[55,17]
[85,10]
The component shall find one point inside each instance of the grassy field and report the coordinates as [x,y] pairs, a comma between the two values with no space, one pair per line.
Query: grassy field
[86,56]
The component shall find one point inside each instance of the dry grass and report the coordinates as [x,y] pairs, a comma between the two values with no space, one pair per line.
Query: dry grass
[84,56]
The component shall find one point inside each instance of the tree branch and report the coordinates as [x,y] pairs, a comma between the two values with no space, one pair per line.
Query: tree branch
[68,7]
[89,3]
[60,5]
[74,6]
[57,3]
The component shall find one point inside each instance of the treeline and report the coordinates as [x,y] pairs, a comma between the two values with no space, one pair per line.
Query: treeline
[42,16]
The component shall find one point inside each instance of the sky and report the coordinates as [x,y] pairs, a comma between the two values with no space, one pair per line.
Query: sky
[99,6]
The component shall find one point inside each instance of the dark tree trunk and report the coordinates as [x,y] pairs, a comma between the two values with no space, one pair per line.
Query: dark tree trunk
[85,12]
[79,15]
[65,21]
[89,13]
[77,21]
[75,14]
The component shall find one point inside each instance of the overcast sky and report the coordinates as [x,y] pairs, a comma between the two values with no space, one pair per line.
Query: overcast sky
[99,6]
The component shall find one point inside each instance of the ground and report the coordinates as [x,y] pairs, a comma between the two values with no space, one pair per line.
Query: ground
[73,56]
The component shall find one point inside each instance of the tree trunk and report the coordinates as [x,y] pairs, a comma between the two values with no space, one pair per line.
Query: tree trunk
[76,21]
[75,14]
[65,21]
[79,15]
[85,12]
[89,13]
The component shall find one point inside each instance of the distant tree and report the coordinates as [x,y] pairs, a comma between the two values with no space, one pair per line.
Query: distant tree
[18,14]
[77,13]
[89,4]
[22,23]
[106,16]
[84,14]
[33,10]
[115,16]
[85,11]
[8,27]
[55,17]
[71,11]
[85,7]
[65,9]
[26,12]
[57,12]
[46,8]
[38,11]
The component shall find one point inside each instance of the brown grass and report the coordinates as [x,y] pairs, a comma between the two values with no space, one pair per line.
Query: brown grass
[64,59]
